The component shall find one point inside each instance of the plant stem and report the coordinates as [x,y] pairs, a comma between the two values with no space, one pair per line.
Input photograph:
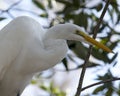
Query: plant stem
[79,89]
[101,82]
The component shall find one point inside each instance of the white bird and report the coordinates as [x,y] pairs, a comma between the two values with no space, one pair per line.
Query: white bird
[25,48]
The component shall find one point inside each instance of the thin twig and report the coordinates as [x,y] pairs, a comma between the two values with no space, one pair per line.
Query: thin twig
[83,72]
[15,4]
[101,82]
[10,15]
[9,8]
[101,19]
[79,89]
[19,9]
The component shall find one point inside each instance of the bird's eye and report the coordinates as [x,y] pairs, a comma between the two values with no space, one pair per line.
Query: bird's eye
[80,33]
[76,32]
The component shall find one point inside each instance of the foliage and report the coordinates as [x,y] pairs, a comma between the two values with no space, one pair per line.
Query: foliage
[73,11]
[54,91]
[107,89]
[78,12]
[51,89]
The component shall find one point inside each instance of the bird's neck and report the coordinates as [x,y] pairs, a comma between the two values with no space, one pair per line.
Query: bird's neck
[56,48]
[52,41]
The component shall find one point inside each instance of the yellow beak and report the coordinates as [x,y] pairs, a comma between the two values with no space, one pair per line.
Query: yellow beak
[94,42]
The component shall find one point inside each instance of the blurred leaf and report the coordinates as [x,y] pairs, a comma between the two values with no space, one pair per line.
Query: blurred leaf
[111,13]
[113,45]
[104,40]
[51,86]
[118,91]
[44,88]
[45,15]
[65,63]
[109,92]
[80,50]
[118,19]
[100,55]
[113,58]
[39,4]
[76,3]
[2,18]
[99,7]
[114,5]
[106,76]
[50,4]
[81,20]
[109,86]
[66,2]
[101,28]
[54,91]
[114,63]
[69,10]
[71,44]
[98,89]
[68,17]
[33,82]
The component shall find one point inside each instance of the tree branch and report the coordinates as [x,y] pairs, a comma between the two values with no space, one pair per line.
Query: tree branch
[101,82]
[79,89]
[29,11]
[15,4]
[10,7]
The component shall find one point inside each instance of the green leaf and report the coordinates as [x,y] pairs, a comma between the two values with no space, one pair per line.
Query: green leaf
[69,10]
[106,76]
[45,88]
[118,18]
[113,45]
[118,91]
[109,92]
[98,89]
[39,4]
[50,4]
[115,5]
[44,15]
[33,82]
[80,50]
[99,7]
[81,20]
[76,3]
[100,55]
[67,3]
[68,17]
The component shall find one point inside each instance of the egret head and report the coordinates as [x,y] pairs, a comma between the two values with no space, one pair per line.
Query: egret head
[74,32]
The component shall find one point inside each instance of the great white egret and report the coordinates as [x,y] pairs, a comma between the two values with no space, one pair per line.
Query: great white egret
[25,48]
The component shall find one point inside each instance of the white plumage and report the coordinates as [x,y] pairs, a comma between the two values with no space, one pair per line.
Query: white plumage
[26,48]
